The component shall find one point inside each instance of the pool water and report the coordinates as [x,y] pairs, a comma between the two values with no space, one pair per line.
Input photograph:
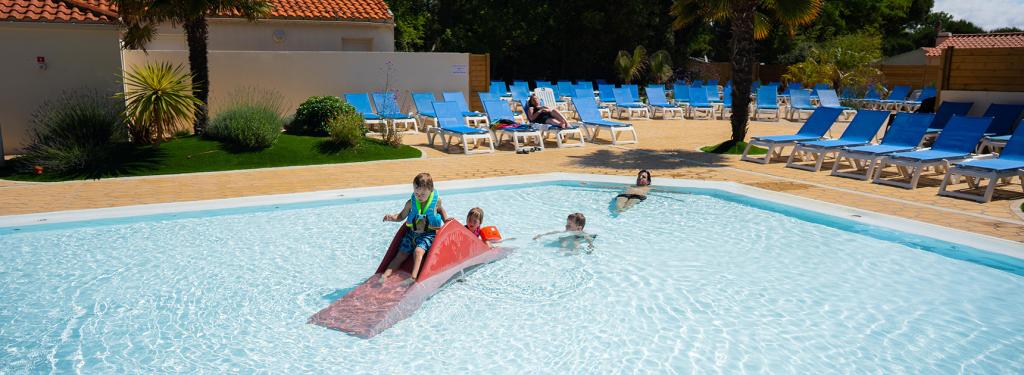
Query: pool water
[681,283]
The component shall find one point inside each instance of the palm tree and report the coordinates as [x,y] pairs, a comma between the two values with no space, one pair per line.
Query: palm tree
[140,17]
[750,20]
[631,67]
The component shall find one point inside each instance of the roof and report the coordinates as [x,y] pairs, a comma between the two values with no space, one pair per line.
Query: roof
[103,11]
[66,11]
[997,40]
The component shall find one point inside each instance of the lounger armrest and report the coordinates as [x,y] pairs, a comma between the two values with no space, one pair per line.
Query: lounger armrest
[985,156]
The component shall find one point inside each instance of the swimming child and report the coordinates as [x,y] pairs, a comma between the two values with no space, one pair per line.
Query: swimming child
[574,225]
[423,215]
[474,219]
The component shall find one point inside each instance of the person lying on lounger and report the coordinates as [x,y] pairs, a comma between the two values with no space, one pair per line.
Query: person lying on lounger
[539,114]
[634,194]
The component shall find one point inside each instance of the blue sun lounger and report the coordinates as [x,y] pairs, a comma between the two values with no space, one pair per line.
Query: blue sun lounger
[1004,116]
[424,103]
[897,97]
[451,125]
[680,94]
[828,98]
[625,103]
[1009,164]
[499,110]
[699,103]
[768,101]
[726,102]
[606,93]
[473,118]
[815,128]
[860,132]
[904,134]
[656,102]
[956,143]
[388,108]
[913,104]
[589,95]
[361,102]
[799,103]
[593,123]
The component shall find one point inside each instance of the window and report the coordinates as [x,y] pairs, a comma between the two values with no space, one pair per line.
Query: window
[364,45]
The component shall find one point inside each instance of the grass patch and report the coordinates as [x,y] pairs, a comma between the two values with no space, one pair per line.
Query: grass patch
[196,154]
[733,148]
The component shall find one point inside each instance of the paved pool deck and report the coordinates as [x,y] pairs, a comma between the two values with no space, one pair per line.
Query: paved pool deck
[669,148]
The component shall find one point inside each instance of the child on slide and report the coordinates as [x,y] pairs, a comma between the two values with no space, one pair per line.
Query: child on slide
[574,225]
[423,215]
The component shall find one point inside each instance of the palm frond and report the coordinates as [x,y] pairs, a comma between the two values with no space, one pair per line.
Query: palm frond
[660,66]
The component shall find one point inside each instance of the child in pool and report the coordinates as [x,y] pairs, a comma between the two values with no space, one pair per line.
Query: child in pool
[574,225]
[423,215]
[474,219]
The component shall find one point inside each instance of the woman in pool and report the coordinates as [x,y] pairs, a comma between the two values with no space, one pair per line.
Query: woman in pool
[634,194]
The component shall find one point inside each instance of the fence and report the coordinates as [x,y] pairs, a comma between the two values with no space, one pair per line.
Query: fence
[983,69]
[916,76]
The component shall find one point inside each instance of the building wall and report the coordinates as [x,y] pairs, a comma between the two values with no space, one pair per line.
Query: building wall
[77,57]
[299,75]
[284,35]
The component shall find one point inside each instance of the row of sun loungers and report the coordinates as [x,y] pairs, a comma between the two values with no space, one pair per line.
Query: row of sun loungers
[450,121]
[957,143]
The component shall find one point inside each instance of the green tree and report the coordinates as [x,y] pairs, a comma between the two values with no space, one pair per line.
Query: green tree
[748,20]
[140,18]
[844,61]
[630,67]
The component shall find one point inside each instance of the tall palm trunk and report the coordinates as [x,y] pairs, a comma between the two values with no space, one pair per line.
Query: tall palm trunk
[196,33]
[742,65]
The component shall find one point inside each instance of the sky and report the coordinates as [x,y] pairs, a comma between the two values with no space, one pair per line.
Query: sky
[988,14]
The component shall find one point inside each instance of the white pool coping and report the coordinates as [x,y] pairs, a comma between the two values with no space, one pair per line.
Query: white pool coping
[975,240]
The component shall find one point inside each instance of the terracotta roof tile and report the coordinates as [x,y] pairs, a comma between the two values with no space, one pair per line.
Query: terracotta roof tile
[102,11]
[999,40]
[75,11]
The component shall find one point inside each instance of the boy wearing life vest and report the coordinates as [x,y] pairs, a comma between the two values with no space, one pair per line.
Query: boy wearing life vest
[423,215]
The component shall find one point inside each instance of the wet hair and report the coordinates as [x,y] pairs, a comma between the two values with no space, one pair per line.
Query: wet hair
[423,180]
[644,171]
[476,212]
[579,219]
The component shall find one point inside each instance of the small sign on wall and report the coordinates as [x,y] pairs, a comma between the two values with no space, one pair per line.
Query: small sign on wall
[459,69]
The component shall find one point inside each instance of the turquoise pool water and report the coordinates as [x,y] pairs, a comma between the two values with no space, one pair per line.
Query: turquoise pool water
[686,281]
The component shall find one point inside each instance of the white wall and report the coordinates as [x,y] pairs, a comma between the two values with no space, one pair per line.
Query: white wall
[241,35]
[982,99]
[299,75]
[77,57]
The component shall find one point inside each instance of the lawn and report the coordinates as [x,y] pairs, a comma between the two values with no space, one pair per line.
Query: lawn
[195,154]
[733,148]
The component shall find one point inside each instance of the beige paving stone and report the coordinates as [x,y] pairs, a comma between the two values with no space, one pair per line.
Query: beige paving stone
[668,148]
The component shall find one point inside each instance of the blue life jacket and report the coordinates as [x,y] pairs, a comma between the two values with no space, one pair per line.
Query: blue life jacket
[426,212]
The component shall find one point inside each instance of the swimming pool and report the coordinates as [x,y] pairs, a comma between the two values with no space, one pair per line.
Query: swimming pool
[693,278]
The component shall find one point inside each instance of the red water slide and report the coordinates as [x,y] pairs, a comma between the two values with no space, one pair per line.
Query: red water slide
[372,307]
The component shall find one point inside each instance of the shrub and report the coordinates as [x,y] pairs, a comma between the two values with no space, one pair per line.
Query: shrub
[313,115]
[246,127]
[347,128]
[251,121]
[159,99]
[75,133]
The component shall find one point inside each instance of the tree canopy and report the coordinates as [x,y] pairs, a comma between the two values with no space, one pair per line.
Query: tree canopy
[570,39]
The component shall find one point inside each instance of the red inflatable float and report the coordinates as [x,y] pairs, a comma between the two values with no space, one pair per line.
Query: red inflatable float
[372,307]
